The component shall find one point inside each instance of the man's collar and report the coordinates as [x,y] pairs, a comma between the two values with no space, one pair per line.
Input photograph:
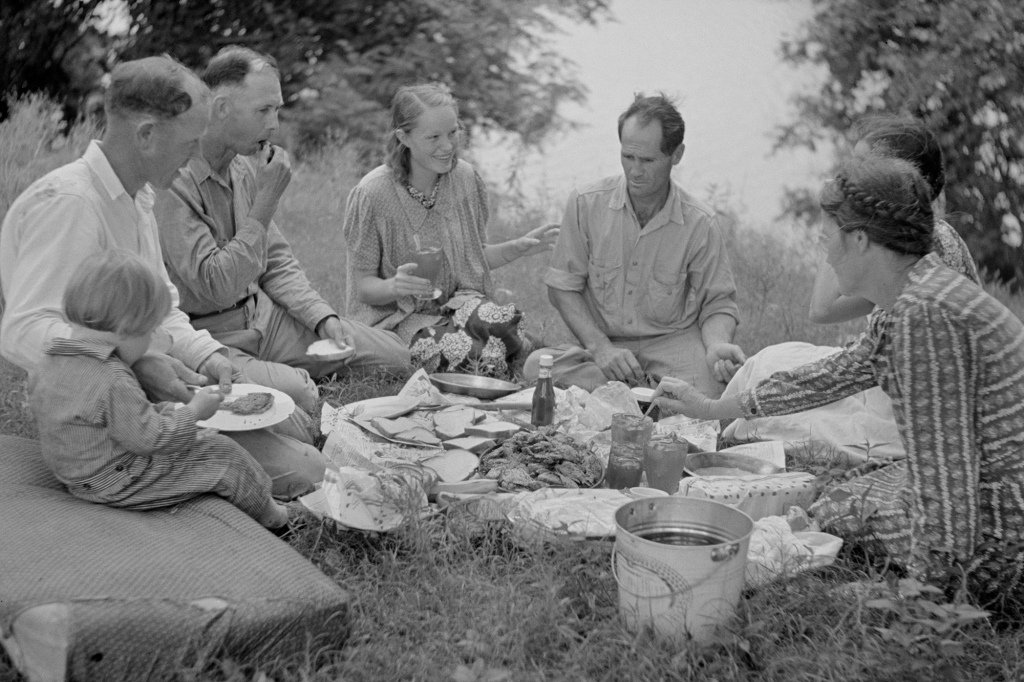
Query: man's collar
[619,200]
[96,159]
[199,168]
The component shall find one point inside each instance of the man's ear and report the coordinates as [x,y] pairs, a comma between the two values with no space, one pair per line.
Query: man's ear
[221,106]
[677,155]
[145,133]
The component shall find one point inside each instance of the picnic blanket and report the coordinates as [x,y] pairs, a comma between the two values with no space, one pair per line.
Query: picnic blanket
[88,592]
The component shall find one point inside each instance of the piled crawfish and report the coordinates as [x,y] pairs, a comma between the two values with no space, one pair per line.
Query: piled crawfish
[543,458]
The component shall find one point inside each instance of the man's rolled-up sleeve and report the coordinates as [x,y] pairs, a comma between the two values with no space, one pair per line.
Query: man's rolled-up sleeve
[569,266]
[286,282]
[712,283]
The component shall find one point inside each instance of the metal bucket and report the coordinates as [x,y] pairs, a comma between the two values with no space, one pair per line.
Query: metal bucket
[688,580]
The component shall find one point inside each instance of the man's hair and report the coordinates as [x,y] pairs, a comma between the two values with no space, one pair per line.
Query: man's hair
[116,291]
[155,86]
[908,138]
[658,108]
[233,63]
[409,102]
[887,198]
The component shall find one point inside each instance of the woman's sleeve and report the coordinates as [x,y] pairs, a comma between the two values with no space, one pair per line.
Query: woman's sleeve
[361,232]
[481,207]
[818,383]
[935,365]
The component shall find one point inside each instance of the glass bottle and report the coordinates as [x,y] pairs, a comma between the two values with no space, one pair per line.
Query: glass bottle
[543,412]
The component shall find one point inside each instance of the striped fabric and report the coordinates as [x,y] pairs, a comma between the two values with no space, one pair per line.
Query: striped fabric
[951,358]
[108,444]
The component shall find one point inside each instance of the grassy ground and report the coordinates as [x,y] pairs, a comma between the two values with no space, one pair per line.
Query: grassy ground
[453,598]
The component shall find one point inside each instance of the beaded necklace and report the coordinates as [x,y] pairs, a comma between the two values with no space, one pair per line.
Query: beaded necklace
[427,202]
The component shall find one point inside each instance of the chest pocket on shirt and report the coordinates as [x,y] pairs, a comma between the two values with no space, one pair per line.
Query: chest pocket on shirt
[604,281]
[666,300]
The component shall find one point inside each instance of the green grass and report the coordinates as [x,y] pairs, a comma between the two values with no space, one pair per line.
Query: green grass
[457,598]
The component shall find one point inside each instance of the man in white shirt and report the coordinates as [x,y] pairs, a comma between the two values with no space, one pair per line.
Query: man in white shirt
[157,111]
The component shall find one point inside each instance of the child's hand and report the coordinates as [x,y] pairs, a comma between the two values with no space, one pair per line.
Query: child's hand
[206,401]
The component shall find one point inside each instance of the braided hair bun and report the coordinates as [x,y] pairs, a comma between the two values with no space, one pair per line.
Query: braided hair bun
[885,197]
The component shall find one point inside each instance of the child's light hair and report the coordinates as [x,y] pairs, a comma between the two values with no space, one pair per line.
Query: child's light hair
[116,291]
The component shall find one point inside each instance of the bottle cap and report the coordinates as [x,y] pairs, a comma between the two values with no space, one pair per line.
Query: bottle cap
[546,361]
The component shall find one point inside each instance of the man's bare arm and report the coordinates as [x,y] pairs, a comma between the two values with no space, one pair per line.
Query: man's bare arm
[616,363]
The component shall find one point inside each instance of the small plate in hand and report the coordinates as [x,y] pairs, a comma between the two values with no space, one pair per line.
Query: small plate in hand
[329,350]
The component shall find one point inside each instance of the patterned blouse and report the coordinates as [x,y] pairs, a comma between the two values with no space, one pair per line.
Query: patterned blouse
[951,358]
[951,249]
[381,218]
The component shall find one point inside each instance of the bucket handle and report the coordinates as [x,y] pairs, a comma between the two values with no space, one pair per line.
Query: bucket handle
[725,553]
[673,581]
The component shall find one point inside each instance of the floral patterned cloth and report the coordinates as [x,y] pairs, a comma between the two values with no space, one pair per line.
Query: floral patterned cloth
[951,358]
[479,335]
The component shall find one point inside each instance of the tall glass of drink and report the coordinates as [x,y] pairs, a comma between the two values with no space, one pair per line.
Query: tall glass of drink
[630,434]
[428,255]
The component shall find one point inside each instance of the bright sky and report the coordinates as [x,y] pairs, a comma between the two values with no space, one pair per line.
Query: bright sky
[719,58]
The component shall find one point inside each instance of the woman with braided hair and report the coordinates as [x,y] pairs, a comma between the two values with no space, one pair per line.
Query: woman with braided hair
[949,356]
[908,138]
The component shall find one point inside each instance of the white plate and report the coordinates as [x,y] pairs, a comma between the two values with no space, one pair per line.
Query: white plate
[229,421]
[329,350]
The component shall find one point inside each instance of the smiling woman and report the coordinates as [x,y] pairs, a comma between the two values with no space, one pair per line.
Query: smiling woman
[425,193]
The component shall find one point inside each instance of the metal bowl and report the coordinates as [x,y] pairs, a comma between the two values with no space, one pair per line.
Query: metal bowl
[478,387]
[709,461]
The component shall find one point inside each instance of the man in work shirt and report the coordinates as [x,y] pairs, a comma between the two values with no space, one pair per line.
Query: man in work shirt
[236,273]
[640,274]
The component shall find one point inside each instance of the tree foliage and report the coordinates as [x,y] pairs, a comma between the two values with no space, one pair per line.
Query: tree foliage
[957,64]
[48,47]
[342,60]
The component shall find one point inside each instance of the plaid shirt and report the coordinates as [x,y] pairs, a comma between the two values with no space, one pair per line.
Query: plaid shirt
[93,414]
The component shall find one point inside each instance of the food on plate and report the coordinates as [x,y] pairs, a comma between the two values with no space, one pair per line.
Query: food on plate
[453,465]
[405,429]
[452,422]
[474,444]
[250,403]
[392,427]
[544,458]
[497,431]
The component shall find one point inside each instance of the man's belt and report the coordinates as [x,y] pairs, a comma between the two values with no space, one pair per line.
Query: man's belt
[240,304]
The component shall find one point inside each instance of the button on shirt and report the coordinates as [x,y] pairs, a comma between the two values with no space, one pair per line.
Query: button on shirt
[670,275]
[217,255]
[71,213]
